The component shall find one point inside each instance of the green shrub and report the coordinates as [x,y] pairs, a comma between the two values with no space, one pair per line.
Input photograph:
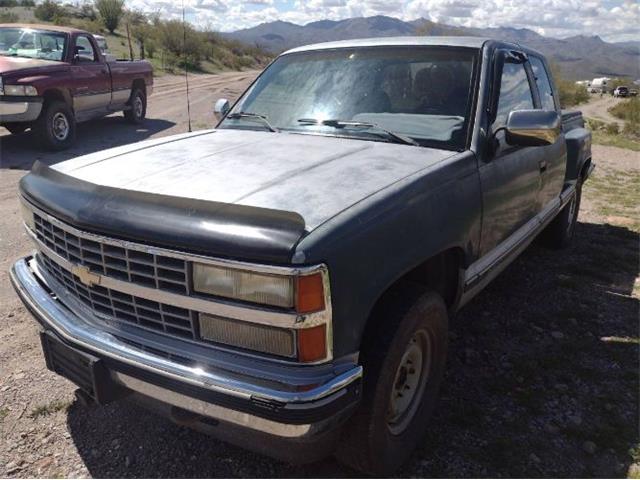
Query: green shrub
[9,17]
[629,111]
[612,128]
[111,11]
[47,11]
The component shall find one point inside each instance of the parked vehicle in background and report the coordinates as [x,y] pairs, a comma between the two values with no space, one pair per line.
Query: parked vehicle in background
[285,281]
[621,91]
[54,77]
[104,48]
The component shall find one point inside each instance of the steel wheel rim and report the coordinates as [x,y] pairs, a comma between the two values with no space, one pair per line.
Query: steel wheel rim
[409,382]
[60,126]
[138,106]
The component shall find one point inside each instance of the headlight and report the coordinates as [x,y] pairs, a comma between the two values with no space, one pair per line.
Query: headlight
[27,216]
[304,293]
[246,286]
[20,90]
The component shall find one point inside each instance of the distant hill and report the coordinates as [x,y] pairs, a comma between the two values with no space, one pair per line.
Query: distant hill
[579,57]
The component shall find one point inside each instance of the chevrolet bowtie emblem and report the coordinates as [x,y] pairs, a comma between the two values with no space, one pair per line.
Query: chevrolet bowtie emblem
[85,275]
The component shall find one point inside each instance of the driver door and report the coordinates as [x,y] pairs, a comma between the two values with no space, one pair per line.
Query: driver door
[91,84]
[510,176]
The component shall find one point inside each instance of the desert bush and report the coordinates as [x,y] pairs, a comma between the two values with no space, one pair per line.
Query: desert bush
[9,17]
[612,128]
[48,10]
[571,94]
[629,111]
[111,11]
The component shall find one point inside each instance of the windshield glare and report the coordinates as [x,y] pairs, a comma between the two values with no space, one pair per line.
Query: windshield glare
[30,43]
[420,92]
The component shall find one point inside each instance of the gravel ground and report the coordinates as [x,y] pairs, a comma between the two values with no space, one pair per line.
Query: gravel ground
[542,378]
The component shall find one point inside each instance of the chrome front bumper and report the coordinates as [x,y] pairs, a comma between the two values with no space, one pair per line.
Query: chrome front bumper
[19,110]
[139,366]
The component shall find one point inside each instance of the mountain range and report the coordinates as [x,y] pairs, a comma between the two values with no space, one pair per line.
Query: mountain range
[579,57]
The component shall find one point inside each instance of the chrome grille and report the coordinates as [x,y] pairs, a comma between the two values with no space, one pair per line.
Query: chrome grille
[124,307]
[149,270]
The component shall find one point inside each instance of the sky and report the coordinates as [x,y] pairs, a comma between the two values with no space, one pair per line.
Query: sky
[613,20]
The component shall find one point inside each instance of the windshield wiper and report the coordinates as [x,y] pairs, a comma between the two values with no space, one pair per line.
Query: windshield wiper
[398,137]
[253,116]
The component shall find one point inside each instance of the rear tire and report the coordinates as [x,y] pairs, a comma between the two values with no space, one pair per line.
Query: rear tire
[138,103]
[403,356]
[56,126]
[559,233]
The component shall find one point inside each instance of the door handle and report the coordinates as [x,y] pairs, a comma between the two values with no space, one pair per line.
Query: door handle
[543,165]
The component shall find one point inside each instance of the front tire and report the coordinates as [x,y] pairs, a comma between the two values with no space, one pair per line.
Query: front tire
[404,358]
[56,126]
[138,111]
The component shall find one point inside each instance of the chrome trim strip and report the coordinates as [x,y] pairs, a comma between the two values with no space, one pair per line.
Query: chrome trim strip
[254,314]
[486,268]
[251,315]
[213,411]
[78,332]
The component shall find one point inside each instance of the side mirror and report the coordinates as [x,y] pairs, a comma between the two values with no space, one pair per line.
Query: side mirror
[76,53]
[221,108]
[533,128]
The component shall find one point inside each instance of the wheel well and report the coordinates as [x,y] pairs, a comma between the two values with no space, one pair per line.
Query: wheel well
[139,83]
[585,169]
[51,95]
[440,273]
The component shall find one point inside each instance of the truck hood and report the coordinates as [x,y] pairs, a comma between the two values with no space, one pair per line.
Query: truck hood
[314,176]
[15,64]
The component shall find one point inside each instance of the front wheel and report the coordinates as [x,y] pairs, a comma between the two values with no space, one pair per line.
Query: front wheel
[56,126]
[138,107]
[403,359]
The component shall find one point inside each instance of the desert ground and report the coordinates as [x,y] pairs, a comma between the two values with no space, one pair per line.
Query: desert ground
[542,378]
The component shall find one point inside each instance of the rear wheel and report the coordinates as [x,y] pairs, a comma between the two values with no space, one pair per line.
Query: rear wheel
[403,359]
[138,103]
[56,126]
[560,231]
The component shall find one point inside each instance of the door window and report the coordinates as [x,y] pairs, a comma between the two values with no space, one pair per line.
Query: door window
[543,83]
[515,92]
[85,50]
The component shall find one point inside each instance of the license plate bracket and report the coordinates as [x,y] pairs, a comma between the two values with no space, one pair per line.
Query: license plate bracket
[85,370]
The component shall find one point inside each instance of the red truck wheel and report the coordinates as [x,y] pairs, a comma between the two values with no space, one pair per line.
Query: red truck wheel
[138,110]
[56,126]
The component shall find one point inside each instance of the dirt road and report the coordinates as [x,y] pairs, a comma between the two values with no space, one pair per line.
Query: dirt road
[598,108]
[542,378]
[166,115]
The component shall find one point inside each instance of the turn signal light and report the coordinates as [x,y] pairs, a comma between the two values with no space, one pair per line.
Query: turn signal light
[309,293]
[312,343]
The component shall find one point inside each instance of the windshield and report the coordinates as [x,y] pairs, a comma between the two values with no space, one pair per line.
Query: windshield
[422,93]
[31,43]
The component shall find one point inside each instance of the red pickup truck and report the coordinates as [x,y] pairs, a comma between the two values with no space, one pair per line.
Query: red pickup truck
[53,77]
